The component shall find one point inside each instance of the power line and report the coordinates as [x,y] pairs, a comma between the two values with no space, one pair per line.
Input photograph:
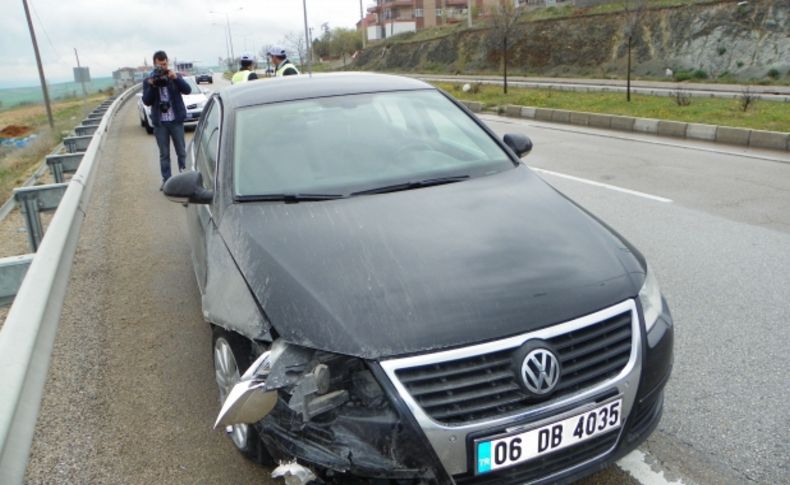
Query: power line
[44,29]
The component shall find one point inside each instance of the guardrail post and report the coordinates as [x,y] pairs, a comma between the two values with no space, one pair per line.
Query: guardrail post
[63,163]
[77,143]
[34,200]
[91,122]
[12,272]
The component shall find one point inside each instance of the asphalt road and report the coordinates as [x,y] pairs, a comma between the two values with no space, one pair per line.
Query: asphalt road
[721,250]
[130,396]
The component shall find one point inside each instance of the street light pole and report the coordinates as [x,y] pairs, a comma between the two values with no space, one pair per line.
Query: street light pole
[40,67]
[307,39]
[362,23]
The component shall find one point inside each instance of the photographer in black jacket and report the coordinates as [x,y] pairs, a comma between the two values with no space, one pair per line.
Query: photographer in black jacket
[162,91]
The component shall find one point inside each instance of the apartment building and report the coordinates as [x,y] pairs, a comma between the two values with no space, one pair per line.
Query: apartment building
[392,17]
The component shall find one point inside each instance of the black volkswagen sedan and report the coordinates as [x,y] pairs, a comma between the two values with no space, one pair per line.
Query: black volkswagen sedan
[395,296]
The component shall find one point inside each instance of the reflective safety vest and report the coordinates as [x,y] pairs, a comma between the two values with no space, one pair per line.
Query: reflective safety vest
[240,77]
[285,65]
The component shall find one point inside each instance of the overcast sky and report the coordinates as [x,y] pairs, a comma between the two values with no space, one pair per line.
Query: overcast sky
[109,34]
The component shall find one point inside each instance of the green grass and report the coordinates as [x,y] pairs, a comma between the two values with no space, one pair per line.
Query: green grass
[17,164]
[763,115]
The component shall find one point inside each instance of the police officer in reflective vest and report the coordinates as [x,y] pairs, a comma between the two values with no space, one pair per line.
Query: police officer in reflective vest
[246,73]
[282,66]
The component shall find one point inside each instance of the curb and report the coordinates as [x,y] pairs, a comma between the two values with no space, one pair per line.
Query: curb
[773,140]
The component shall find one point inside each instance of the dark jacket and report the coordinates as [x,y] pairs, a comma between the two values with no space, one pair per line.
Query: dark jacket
[176,87]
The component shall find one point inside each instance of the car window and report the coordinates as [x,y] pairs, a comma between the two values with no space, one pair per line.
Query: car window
[192,85]
[344,144]
[207,144]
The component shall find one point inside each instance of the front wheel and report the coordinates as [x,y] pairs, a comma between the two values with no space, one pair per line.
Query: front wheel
[232,356]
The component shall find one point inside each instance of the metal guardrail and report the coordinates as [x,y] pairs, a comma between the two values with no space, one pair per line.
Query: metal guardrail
[32,202]
[12,272]
[63,163]
[28,334]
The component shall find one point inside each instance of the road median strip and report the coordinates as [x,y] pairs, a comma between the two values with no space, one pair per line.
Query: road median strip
[774,140]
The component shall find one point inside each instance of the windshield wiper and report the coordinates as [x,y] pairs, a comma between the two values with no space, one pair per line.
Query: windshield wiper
[288,198]
[414,184]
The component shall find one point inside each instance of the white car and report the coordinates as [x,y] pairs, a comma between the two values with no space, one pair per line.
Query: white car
[194,103]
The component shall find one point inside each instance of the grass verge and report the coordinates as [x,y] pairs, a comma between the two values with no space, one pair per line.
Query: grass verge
[18,164]
[762,115]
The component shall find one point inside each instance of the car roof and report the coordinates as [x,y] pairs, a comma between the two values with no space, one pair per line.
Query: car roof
[315,86]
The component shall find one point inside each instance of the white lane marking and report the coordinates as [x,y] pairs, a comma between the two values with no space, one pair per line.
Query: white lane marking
[635,465]
[605,186]
[742,152]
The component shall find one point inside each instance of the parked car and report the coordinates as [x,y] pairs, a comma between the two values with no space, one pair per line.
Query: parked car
[194,103]
[204,77]
[394,295]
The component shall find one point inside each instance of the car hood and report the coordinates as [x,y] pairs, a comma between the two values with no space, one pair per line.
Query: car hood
[194,98]
[433,268]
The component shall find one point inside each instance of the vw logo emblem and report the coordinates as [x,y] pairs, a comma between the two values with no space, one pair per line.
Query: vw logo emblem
[540,371]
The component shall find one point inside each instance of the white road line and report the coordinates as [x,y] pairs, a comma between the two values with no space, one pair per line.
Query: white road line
[635,465]
[605,186]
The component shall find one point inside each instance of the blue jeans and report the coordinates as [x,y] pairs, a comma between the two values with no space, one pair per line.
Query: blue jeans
[164,133]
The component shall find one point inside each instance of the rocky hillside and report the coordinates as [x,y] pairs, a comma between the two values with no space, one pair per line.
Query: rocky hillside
[738,39]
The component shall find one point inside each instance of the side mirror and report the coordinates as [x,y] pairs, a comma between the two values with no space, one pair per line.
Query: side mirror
[188,187]
[520,144]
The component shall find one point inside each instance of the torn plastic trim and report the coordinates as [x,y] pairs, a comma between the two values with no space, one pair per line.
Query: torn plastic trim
[297,371]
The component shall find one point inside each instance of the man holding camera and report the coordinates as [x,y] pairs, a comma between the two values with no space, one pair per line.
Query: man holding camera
[162,91]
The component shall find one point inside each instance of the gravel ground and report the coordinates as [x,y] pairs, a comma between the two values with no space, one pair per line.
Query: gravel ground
[130,396]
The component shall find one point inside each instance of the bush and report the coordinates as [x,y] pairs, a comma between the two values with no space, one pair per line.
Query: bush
[682,76]
[722,50]
[700,74]
[773,73]
[739,64]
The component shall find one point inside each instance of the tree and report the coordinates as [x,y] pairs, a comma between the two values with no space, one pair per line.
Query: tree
[633,17]
[504,31]
[295,42]
[344,41]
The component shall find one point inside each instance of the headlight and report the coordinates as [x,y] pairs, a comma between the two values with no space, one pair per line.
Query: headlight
[650,297]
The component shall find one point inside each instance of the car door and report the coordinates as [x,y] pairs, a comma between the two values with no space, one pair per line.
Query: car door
[205,148]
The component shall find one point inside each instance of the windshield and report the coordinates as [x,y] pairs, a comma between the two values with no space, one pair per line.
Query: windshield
[346,144]
[192,85]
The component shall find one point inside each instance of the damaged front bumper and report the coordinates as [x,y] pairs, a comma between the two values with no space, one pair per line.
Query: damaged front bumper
[345,417]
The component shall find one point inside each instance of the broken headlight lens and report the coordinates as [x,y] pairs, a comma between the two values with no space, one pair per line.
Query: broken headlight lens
[650,297]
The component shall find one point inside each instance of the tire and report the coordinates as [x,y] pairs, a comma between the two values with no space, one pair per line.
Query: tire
[232,356]
[148,128]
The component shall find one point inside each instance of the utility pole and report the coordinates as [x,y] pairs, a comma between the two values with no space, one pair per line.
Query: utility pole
[307,39]
[469,13]
[362,23]
[82,79]
[40,67]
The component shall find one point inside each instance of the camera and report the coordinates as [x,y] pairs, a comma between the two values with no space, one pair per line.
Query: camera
[164,106]
[160,77]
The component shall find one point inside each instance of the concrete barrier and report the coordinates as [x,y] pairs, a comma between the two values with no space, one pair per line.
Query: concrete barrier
[623,123]
[600,121]
[561,116]
[474,106]
[733,136]
[513,110]
[527,112]
[646,125]
[769,139]
[677,129]
[698,131]
[672,128]
[580,118]
[543,114]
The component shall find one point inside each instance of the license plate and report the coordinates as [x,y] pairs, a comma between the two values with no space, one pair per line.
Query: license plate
[505,451]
